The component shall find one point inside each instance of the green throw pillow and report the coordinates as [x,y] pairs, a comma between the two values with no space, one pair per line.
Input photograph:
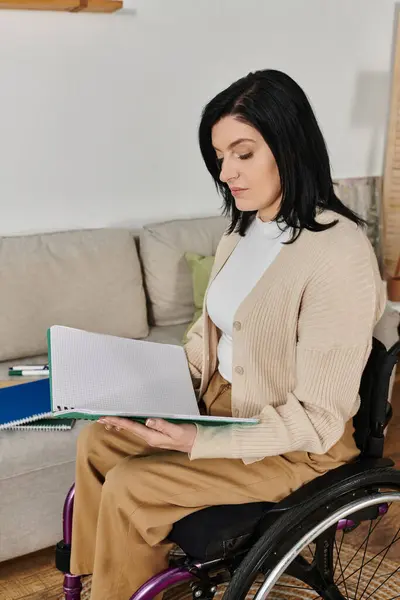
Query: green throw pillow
[200,267]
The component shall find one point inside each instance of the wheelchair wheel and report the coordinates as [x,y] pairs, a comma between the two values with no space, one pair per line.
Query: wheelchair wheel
[341,545]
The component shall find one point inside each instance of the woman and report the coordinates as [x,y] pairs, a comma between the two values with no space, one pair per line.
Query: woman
[288,319]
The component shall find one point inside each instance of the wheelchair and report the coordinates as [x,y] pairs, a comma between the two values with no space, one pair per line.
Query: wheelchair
[274,550]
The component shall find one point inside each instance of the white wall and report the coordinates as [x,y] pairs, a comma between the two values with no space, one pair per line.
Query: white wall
[99,113]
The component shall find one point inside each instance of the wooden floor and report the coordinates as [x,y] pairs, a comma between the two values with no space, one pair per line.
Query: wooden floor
[34,577]
[31,577]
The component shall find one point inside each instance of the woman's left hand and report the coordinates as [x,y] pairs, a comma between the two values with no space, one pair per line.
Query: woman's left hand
[157,433]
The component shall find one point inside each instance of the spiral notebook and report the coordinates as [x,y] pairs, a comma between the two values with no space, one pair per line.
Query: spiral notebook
[45,425]
[23,406]
[93,375]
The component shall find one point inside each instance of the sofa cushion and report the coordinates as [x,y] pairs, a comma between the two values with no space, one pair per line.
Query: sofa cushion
[22,452]
[85,279]
[167,275]
[167,334]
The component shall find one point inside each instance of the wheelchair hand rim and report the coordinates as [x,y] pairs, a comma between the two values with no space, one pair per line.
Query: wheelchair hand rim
[275,573]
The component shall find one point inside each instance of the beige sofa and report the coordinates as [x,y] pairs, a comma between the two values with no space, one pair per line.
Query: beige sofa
[133,284]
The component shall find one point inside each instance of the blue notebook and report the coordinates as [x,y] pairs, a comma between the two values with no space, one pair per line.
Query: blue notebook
[26,406]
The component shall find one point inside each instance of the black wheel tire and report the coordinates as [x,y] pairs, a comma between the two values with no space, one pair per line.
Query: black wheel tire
[294,522]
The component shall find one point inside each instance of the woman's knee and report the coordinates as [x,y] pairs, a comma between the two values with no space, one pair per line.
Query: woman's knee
[131,477]
[117,482]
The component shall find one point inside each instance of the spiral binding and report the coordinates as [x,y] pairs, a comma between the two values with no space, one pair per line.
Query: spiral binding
[33,418]
[33,427]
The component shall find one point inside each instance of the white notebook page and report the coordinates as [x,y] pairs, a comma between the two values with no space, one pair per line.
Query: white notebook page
[91,370]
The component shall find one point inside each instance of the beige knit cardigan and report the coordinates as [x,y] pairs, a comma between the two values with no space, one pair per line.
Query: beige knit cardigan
[301,339]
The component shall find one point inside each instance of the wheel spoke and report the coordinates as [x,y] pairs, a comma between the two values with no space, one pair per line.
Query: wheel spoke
[363,560]
[296,587]
[342,572]
[372,558]
[383,583]
[311,552]
[362,544]
[377,568]
[337,553]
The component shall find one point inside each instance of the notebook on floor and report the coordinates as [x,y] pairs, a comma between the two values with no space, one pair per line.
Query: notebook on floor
[25,406]
[93,375]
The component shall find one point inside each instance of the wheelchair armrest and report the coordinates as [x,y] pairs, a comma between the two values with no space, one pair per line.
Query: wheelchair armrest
[333,477]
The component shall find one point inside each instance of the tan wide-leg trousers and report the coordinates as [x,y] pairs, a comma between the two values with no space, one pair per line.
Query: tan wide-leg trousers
[128,496]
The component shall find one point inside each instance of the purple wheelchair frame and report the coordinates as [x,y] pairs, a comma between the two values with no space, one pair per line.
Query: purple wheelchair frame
[157,584]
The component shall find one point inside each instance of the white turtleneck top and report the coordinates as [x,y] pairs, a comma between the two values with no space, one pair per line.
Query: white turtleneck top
[247,263]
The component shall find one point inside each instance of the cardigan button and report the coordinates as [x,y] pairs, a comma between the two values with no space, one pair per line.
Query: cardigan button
[237,325]
[239,370]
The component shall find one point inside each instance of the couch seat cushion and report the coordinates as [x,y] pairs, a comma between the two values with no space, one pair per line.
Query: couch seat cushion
[167,334]
[22,452]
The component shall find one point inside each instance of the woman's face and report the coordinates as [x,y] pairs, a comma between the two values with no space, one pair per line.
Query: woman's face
[248,167]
